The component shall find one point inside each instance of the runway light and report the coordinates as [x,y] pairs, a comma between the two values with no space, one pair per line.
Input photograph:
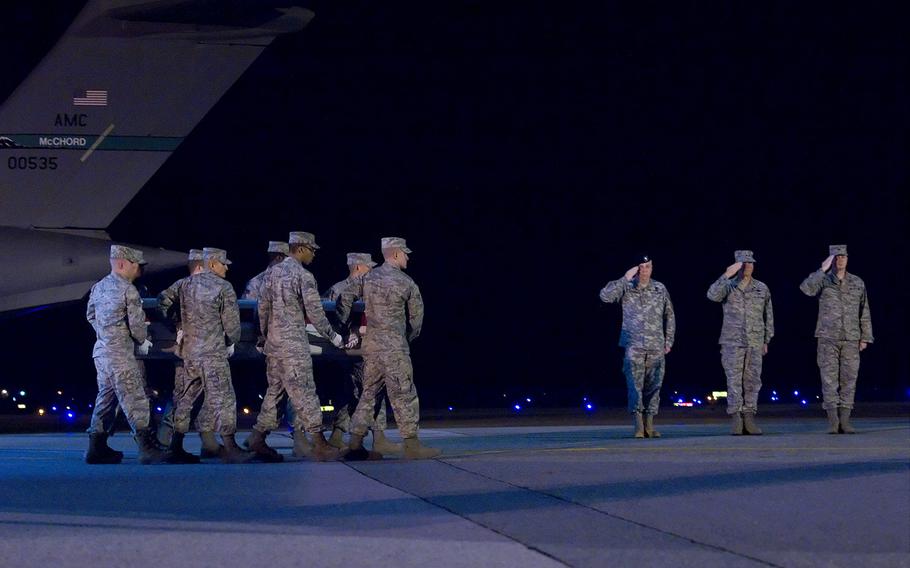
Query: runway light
[21,393]
[54,408]
[589,406]
[68,408]
[774,393]
[517,407]
[70,415]
[680,400]
[795,393]
[90,406]
[451,409]
[817,397]
[246,410]
[528,399]
[719,394]
[20,406]
[260,397]
[327,408]
[586,398]
[804,402]
[59,393]
[40,412]
[158,408]
[4,393]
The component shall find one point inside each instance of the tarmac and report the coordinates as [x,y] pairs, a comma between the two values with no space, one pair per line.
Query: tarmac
[529,496]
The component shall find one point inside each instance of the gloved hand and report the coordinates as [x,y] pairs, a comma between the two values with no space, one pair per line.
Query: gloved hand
[733,269]
[337,341]
[353,340]
[230,350]
[179,337]
[144,348]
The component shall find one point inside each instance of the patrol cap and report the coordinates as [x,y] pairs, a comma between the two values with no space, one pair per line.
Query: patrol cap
[743,256]
[641,259]
[127,253]
[360,258]
[395,243]
[303,238]
[195,254]
[279,247]
[836,250]
[211,253]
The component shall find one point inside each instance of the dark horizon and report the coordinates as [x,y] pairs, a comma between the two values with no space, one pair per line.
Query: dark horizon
[527,153]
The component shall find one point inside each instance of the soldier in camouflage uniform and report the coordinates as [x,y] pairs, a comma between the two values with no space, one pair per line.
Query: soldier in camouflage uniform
[747,330]
[844,329]
[393,304]
[288,296]
[648,330]
[278,251]
[115,312]
[359,263]
[167,302]
[211,327]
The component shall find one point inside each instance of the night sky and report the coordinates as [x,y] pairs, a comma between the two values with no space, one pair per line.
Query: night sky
[527,151]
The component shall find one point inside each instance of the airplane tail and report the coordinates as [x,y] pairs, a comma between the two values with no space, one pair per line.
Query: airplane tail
[116,96]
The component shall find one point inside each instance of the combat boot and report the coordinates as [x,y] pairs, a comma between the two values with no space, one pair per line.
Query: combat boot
[322,451]
[256,443]
[337,439]
[210,446]
[833,421]
[650,432]
[736,424]
[382,445]
[99,452]
[749,424]
[414,450]
[302,447]
[639,425]
[845,426]
[176,452]
[149,453]
[232,453]
[165,433]
[356,451]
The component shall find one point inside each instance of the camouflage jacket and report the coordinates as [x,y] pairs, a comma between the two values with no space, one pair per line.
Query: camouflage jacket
[748,316]
[253,287]
[169,307]
[334,294]
[394,308]
[115,312]
[843,307]
[648,321]
[208,314]
[288,296]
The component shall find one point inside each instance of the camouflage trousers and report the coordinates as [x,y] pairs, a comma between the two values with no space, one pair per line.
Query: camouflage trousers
[119,381]
[644,370]
[353,392]
[291,378]
[212,379]
[390,371]
[838,362]
[205,422]
[742,365]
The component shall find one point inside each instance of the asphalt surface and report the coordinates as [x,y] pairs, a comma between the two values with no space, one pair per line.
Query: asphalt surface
[499,496]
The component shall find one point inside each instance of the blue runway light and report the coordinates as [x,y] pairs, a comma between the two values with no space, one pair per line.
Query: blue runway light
[517,407]
[795,393]
[586,398]
[680,401]
[451,409]
[158,408]
[70,415]
[528,400]
[589,406]
[54,408]
[774,393]
[803,402]
[21,393]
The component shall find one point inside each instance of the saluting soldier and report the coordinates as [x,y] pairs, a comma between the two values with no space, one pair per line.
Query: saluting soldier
[747,330]
[648,332]
[843,330]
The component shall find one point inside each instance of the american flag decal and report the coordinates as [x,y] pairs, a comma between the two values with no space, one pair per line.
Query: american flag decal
[90,98]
